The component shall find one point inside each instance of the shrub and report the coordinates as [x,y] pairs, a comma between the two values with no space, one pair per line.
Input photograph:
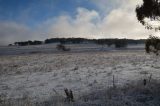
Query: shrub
[152,44]
[121,43]
[61,47]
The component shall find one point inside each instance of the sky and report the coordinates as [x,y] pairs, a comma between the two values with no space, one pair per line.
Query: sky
[22,20]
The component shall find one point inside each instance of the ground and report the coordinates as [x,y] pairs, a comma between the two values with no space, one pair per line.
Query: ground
[43,75]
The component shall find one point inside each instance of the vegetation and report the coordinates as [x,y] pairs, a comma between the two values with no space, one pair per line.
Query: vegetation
[152,44]
[149,9]
[61,47]
[132,94]
[121,43]
[69,95]
[65,40]
[109,42]
[25,43]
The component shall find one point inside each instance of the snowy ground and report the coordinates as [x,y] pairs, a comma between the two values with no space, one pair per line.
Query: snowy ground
[39,75]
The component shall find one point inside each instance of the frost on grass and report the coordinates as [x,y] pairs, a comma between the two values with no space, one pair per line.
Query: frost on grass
[133,94]
[88,75]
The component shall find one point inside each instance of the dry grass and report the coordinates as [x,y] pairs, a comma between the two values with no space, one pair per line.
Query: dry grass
[133,94]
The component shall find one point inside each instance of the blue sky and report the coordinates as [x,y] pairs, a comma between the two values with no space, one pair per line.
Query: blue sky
[33,12]
[22,20]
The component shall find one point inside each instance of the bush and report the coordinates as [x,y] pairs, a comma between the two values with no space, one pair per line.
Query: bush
[152,44]
[61,47]
[121,43]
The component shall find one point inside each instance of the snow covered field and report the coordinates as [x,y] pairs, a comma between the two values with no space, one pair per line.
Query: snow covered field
[42,75]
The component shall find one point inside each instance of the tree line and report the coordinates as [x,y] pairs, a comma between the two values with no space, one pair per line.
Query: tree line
[96,41]
[109,42]
[25,43]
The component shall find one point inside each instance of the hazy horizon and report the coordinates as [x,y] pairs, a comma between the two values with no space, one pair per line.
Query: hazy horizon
[23,20]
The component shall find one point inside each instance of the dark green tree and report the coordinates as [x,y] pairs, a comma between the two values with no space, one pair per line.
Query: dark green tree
[152,44]
[121,43]
[150,9]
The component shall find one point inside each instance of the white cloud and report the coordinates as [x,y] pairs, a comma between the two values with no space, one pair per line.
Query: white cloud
[84,25]
[122,24]
[11,32]
[108,5]
[119,22]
